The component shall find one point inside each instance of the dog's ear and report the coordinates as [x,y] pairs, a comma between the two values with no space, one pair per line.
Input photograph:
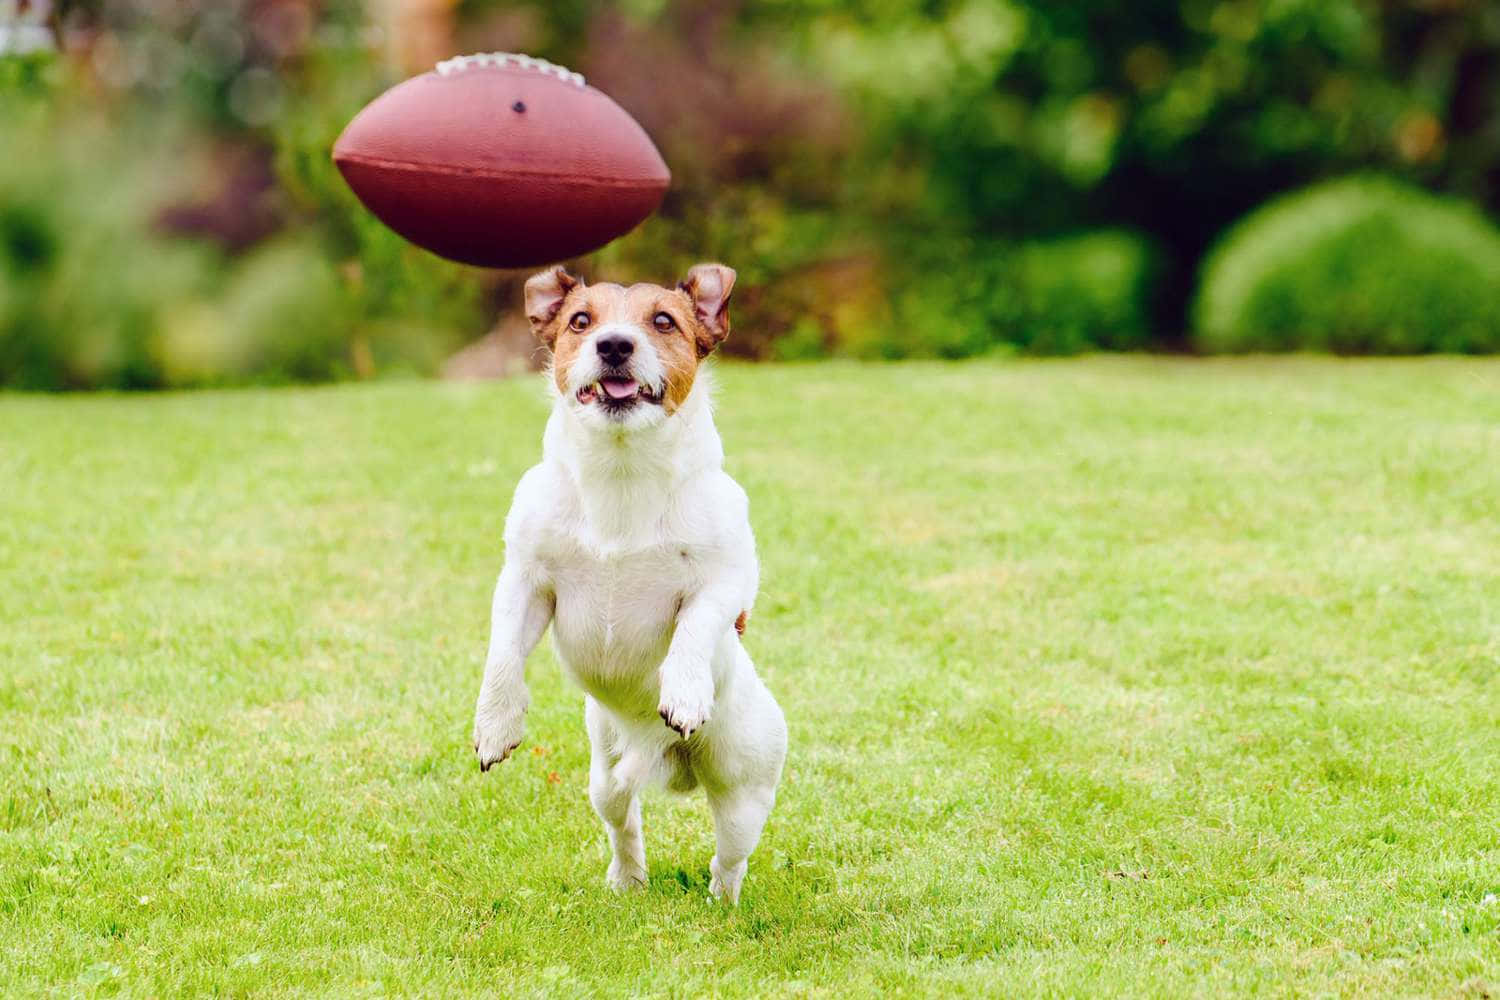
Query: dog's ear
[545,292]
[709,285]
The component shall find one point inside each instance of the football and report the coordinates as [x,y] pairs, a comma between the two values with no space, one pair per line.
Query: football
[502,160]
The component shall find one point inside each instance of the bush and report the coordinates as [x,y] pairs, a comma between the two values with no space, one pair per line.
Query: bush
[1362,265]
[1059,296]
[1078,293]
[284,314]
[96,293]
[82,280]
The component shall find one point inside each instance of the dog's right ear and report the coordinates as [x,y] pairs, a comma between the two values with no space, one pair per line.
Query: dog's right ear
[545,292]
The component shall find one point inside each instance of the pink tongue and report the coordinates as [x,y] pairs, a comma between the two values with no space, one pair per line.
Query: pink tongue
[619,388]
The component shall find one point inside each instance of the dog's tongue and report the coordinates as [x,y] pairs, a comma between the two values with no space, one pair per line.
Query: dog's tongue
[619,388]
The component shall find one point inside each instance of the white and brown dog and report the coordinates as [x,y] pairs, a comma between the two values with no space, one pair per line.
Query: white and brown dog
[634,543]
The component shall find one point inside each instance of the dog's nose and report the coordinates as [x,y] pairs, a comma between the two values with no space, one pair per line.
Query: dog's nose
[614,348]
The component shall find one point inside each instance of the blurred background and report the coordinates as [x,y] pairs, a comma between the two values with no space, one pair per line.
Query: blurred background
[891,179]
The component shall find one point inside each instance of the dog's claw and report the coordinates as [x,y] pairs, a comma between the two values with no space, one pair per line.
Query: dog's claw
[485,765]
[682,722]
[666,716]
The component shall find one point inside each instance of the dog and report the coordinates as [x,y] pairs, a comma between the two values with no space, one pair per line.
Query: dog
[634,544]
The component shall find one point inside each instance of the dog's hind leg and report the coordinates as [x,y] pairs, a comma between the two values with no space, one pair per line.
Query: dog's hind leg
[739,816]
[615,780]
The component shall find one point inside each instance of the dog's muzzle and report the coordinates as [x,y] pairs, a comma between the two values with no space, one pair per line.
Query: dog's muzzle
[617,391]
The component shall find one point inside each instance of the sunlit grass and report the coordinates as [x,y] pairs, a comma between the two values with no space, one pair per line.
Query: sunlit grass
[1110,677]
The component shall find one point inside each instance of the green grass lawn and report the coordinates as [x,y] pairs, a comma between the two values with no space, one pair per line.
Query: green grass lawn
[1117,676]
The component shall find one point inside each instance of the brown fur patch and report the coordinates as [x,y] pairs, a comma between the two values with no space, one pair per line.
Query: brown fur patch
[566,344]
[678,347]
[741,622]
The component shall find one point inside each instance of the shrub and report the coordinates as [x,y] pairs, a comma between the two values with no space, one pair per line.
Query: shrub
[284,314]
[1059,296]
[94,293]
[1078,293]
[1361,265]
[82,279]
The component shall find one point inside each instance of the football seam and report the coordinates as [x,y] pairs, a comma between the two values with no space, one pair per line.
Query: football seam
[488,173]
[508,61]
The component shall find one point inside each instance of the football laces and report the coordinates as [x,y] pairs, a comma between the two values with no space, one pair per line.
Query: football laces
[508,60]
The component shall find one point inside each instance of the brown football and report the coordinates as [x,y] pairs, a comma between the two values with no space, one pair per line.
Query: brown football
[502,160]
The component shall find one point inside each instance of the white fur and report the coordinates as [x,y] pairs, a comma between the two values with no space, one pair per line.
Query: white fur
[632,541]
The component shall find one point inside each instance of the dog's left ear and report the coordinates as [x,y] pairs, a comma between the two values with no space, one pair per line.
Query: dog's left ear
[709,285]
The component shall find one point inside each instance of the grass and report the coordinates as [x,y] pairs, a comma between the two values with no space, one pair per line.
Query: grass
[1106,677]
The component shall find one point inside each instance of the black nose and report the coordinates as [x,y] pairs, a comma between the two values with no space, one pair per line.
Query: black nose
[614,349]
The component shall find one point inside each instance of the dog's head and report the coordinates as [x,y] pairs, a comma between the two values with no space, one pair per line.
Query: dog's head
[627,357]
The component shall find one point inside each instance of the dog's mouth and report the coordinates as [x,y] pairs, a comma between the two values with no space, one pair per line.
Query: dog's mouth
[617,392]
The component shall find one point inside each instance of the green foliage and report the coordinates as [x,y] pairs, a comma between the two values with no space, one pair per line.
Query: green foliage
[83,281]
[27,76]
[95,293]
[284,314]
[1358,265]
[1079,293]
[1061,296]
[897,179]
[1027,118]
[805,341]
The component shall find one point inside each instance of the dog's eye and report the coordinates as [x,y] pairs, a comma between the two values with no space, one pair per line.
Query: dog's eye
[663,322]
[580,321]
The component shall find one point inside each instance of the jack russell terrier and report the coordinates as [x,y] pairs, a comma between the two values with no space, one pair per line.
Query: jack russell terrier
[632,541]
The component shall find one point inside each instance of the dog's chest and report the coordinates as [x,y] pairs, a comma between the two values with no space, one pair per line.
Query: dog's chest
[615,614]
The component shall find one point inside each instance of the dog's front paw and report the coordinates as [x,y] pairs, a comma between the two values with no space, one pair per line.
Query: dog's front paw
[685,708]
[496,734]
